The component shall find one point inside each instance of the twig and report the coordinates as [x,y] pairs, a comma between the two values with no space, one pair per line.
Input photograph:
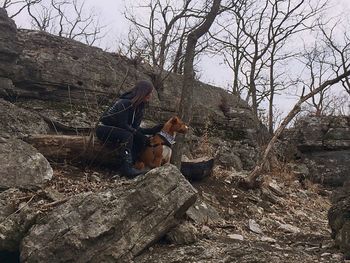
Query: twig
[58,202]
[19,209]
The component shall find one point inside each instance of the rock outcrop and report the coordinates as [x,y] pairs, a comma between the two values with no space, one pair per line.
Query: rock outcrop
[22,166]
[323,144]
[339,219]
[113,225]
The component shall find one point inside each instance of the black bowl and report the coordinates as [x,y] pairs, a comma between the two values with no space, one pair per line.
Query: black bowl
[197,170]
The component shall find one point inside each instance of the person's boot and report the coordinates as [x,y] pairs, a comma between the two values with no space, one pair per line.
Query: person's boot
[126,168]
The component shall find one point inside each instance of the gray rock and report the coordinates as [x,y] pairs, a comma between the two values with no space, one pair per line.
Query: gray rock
[328,167]
[18,122]
[183,234]
[236,237]
[254,226]
[269,196]
[236,154]
[228,158]
[299,169]
[16,218]
[323,133]
[276,189]
[111,226]
[324,147]
[6,86]
[203,213]
[248,155]
[289,228]
[22,166]
[339,220]
[268,239]
[8,44]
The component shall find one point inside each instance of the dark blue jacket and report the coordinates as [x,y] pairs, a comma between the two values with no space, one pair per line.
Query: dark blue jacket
[123,114]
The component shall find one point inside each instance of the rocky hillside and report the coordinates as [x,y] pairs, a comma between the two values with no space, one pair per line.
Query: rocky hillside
[67,212]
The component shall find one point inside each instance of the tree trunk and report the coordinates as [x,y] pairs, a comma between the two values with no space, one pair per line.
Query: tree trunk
[272,91]
[73,148]
[186,103]
[252,87]
[252,180]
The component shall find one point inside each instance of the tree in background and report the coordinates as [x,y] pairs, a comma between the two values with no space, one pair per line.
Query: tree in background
[159,37]
[186,103]
[17,6]
[65,18]
[328,57]
[316,63]
[327,67]
[339,49]
[253,37]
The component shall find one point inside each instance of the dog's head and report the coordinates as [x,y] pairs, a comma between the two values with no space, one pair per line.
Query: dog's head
[175,124]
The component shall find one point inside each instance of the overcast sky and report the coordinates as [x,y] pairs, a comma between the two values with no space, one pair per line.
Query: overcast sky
[212,69]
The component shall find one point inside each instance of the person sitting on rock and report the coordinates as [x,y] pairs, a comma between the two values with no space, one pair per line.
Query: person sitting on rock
[120,125]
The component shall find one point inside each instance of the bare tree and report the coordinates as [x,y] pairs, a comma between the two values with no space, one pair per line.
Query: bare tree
[333,104]
[66,18]
[186,103]
[15,7]
[230,46]
[160,39]
[316,62]
[340,51]
[256,40]
[252,180]
[318,83]
[327,57]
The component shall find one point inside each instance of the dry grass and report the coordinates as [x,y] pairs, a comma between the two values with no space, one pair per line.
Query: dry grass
[204,148]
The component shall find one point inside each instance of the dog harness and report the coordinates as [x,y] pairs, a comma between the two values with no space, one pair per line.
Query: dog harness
[168,139]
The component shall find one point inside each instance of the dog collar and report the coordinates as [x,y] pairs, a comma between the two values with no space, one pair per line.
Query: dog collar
[169,139]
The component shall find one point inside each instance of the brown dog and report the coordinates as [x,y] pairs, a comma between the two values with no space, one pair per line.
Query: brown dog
[159,151]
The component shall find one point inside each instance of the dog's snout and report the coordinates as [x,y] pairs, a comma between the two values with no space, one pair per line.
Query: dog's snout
[185,128]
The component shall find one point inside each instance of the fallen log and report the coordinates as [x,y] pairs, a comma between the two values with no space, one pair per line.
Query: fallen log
[73,148]
[90,151]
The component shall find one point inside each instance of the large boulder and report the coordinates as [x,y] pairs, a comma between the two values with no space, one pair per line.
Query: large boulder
[114,225]
[22,166]
[339,219]
[16,218]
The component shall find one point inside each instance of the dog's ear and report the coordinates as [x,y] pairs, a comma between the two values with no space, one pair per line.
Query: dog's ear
[174,120]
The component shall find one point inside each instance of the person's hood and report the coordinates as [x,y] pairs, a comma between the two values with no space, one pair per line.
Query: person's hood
[127,95]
